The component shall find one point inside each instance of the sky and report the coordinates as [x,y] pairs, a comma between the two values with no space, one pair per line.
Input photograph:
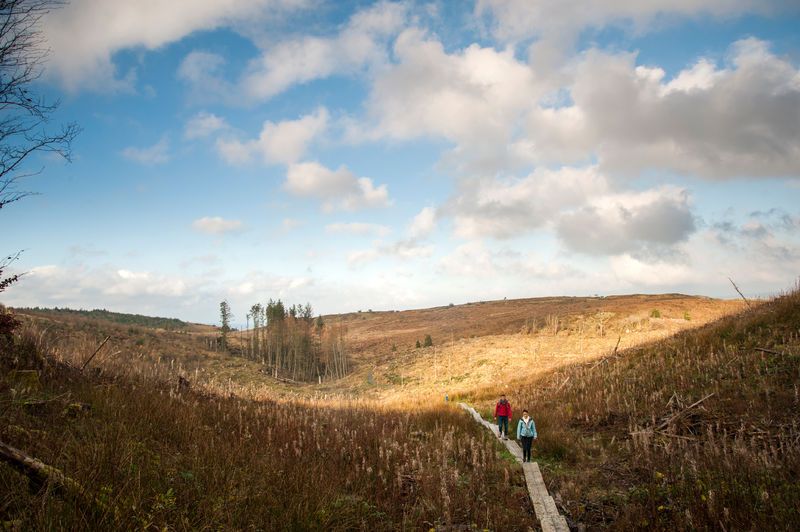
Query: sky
[394,155]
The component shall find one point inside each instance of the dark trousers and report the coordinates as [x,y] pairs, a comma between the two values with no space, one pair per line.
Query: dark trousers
[502,421]
[526,448]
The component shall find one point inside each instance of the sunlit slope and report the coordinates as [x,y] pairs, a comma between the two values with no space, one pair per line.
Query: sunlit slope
[474,345]
[696,431]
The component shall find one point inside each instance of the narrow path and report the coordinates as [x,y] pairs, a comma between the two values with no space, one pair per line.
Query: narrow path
[544,505]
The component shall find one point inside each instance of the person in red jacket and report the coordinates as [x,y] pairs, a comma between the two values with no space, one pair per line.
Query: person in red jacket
[502,413]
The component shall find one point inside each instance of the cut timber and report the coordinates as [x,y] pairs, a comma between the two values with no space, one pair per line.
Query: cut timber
[41,473]
[37,470]
[543,504]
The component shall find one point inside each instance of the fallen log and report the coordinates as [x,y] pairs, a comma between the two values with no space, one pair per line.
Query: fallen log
[40,474]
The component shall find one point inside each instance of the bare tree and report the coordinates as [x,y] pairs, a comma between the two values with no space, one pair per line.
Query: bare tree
[225,317]
[24,116]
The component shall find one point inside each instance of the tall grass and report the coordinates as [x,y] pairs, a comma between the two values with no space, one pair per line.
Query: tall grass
[157,458]
[624,449]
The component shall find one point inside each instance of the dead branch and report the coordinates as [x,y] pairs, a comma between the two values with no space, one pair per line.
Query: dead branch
[660,428]
[95,352]
[740,292]
[679,414]
[562,384]
[765,350]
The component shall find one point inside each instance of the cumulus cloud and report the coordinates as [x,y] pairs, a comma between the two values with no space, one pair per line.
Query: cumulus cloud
[472,98]
[735,119]
[84,35]
[505,208]
[216,225]
[158,153]
[338,189]
[627,222]
[203,125]
[283,142]
[362,42]
[357,228]
[740,120]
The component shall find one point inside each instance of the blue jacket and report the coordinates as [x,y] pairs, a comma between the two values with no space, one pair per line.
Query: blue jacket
[526,429]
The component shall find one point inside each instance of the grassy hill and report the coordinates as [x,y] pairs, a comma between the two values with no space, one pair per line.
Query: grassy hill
[655,412]
[139,454]
[696,431]
[106,315]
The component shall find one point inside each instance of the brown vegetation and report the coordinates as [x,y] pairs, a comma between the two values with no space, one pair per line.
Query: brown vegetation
[157,456]
[697,431]
[614,390]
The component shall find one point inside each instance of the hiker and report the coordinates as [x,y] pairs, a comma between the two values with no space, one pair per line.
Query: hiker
[502,413]
[526,431]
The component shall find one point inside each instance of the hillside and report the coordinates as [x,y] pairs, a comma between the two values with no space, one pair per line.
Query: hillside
[474,345]
[122,451]
[656,412]
[696,431]
[480,344]
[106,315]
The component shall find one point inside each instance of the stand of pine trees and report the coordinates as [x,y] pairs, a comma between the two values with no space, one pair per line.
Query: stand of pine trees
[293,344]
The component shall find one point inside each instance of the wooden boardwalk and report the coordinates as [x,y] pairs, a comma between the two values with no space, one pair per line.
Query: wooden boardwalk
[544,505]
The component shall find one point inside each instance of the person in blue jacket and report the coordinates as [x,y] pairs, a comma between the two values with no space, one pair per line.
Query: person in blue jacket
[526,432]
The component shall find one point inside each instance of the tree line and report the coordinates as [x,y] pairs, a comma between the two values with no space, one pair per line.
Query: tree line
[289,341]
[116,317]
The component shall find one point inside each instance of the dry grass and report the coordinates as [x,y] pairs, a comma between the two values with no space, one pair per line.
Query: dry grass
[156,458]
[380,449]
[588,328]
[623,448]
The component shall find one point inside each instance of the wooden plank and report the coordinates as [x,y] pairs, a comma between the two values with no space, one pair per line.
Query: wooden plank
[543,504]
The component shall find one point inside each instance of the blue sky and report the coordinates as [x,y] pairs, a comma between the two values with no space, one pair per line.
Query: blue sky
[395,155]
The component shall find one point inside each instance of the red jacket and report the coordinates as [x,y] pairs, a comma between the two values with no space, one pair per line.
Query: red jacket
[503,408]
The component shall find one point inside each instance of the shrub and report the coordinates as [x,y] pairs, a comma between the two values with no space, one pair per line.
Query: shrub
[428,341]
[655,313]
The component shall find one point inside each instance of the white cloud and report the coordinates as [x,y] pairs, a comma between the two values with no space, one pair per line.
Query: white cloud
[476,260]
[284,142]
[653,220]
[505,208]
[737,121]
[216,225]
[473,98]
[357,228]
[554,25]
[471,259]
[158,153]
[648,273]
[423,224]
[154,293]
[362,42]
[402,249]
[338,189]
[85,34]
[203,125]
